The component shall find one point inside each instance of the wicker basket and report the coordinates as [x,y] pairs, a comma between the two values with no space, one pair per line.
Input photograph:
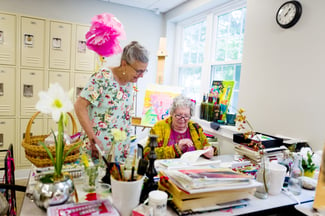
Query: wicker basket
[35,152]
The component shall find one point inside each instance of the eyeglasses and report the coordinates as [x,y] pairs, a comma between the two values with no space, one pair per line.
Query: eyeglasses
[139,72]
[179,117]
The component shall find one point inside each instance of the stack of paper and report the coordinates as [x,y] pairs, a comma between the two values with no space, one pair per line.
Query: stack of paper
[276,152]
[205,188]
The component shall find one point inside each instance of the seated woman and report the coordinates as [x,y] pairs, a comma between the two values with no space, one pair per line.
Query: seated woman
[177,134]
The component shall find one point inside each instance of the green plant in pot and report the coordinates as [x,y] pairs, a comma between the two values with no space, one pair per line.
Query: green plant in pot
[56,188]
[308,165]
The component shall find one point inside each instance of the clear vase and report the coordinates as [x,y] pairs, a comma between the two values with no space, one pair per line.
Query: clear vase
[263,176]
[90,179]
[295,182]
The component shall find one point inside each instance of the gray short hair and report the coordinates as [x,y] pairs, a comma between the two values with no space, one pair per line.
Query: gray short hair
[182,101]
[135,52]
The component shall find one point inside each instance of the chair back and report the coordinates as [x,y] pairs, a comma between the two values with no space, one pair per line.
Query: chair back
[8,183]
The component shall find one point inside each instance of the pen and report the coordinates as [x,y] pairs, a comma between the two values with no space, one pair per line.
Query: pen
[133,164]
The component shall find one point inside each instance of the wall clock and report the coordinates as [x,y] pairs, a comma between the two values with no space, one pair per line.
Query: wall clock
[289,14]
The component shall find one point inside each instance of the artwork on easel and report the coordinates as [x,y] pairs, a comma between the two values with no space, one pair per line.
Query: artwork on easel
[157,101]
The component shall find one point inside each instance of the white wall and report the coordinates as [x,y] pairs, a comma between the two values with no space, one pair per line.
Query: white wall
[139,24]
[282,83]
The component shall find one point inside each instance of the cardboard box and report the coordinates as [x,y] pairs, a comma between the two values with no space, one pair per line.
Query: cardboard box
[268,142]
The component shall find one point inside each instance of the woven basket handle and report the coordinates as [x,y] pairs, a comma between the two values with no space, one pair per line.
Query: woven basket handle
[29,126]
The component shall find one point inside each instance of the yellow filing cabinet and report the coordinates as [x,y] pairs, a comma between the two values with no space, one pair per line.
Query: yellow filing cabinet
[60,45]
[7,90]
[85,58]
[7,133]
[32,42]
[60,77]
[80,80]
[7,39]
[31,85]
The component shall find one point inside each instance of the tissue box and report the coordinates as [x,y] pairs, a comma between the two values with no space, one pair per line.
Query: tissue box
[268,141]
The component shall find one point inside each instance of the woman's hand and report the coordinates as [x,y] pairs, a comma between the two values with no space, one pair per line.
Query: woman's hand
[92,141]
[209,153]
[185,144]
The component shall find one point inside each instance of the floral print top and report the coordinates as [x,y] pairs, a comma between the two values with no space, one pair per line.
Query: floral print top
[110,107]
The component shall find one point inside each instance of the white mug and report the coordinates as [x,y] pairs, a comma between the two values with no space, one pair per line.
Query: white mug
[277,176]
[158,202]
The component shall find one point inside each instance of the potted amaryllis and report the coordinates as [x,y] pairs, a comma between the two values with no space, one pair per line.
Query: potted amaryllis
[57,103]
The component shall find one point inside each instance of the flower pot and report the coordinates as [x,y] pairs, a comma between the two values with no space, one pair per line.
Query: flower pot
[309,173]
[56,193]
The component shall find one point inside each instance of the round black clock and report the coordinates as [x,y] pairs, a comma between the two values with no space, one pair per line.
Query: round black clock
[289,14]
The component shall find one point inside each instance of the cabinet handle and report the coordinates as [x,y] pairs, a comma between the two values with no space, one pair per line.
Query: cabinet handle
[2,71]
[61,26]
[32,73]
[33,22]
[2,122]
[1,140]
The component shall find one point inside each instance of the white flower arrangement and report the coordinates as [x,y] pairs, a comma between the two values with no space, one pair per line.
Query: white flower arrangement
[57,103]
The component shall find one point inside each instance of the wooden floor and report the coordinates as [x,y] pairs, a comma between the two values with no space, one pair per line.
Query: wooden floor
[20,195]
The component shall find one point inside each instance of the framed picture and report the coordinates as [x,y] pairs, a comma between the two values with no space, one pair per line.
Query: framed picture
[56,43]
[1,37]
[28,40]
[82,46]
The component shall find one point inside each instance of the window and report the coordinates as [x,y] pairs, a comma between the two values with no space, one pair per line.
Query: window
[211,49]
[193,43]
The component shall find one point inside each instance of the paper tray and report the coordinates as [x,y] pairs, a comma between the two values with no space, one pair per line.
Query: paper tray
[273,142]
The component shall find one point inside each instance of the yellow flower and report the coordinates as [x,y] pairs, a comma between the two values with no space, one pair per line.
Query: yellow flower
[84,160]
[119,135]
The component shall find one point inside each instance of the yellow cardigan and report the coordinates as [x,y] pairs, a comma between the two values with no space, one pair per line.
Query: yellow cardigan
[163,129]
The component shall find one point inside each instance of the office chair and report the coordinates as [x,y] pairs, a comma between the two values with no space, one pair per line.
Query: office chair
[8,185]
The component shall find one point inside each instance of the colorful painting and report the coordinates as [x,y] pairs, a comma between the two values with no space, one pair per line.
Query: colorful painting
[157,101]
[223,90]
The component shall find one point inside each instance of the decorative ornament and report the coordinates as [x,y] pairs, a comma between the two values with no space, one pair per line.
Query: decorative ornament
[104,34]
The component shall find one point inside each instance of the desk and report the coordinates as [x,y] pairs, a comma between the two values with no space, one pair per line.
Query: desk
[279,203]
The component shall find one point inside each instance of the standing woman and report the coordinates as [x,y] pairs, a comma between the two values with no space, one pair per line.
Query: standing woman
[106,101]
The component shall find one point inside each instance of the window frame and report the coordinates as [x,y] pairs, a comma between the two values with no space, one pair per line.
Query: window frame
[210,44]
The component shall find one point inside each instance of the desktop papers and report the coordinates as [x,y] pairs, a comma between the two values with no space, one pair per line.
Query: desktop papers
[188,159]
[198,180]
